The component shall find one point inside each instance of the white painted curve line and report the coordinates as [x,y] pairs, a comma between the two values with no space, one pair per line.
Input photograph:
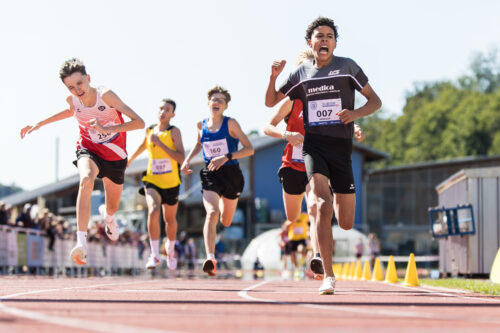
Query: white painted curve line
[244,293]
[90,325]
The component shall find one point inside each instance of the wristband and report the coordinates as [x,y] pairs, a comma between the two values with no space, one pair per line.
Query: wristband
[229,156]
[284,135]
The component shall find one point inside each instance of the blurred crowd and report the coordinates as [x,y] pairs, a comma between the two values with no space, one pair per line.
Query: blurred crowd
[56,227]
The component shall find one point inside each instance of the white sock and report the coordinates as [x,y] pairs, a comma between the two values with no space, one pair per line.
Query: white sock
[211,256]
[81,239]
[170,245]
[109,218]
[155,247]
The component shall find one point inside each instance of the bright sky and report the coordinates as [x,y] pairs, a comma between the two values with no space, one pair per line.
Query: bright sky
[148,50]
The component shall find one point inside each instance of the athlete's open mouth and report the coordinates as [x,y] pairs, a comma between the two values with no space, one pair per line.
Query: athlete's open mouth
[215,108]
[323,50]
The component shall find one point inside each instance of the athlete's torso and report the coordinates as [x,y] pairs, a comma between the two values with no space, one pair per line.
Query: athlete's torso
[218,143]
[163,170]
[108,146]
[298,230]
[324,92]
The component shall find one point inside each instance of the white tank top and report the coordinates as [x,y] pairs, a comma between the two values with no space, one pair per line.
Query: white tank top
[106,115]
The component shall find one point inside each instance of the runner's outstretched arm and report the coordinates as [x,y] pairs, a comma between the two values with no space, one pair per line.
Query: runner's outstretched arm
[68,113]
[272,95]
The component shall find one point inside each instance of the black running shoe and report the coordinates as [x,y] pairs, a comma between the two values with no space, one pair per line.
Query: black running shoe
[209,266]
[316,265]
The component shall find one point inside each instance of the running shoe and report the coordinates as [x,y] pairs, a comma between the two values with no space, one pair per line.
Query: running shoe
[328,286]
[78,255]
[209,266]
[316,265]
[153,262]
[111,228]
[172,261]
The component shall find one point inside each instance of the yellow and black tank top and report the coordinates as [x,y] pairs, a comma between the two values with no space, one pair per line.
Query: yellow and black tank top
[163,171]
[299,229]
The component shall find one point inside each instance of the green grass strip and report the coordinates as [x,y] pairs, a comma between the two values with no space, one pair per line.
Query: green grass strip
[477,286]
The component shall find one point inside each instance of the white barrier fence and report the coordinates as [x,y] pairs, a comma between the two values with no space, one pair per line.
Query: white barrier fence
[27,247]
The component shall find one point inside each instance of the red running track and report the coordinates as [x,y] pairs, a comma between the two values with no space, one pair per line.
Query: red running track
[212,305]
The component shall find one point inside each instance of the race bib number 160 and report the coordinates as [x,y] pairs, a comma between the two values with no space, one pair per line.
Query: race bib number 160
[324,112]
[215,148]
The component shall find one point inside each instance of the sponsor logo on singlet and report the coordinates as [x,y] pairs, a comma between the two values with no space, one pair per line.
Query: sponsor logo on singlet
[334,72]
[102,108]
[323,88]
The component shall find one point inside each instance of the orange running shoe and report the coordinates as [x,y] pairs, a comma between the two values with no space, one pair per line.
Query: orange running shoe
[78,255]
[209,266]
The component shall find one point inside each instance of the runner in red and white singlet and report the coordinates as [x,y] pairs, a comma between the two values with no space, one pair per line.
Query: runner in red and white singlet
[108,146]
[101,148]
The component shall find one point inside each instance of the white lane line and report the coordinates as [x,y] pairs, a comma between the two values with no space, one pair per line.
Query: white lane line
[370,311]
[454,293]
[90,325]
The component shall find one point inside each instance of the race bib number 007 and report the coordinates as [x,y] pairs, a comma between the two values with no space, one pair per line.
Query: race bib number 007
[324,112]
[215,148]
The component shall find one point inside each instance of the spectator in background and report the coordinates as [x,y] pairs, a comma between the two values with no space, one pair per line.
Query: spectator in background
[359,249]
[24,220]
[220,251]
[180,245]
[374,245]
[4,218]
[190,253]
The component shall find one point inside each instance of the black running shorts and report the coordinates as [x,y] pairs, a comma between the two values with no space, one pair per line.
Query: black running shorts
[330,157]
[169,196]
[114,170]
[294,181]
[227,182]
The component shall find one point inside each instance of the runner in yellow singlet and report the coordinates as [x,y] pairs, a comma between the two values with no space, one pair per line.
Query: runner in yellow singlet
[161,181]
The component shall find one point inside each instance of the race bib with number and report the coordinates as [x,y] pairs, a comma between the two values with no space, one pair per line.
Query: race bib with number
[102,137]
[298,230]
[215,148]
[297,154]
[324,112]
[161,166]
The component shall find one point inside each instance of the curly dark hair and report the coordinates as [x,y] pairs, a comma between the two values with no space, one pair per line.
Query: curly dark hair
[169,101]
[319,22]
[71,66]
[219,90]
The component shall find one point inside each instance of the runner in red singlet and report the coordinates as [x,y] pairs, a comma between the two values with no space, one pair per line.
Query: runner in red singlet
[101,147]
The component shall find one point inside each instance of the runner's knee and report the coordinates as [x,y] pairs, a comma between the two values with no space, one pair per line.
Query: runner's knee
[87,183]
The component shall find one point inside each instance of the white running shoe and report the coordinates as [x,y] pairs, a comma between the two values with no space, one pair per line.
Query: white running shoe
[111,228]
[78,255]
[172,261]
[328,286]
[153,262]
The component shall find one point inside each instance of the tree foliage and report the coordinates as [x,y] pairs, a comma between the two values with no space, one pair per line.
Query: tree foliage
[443,120]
